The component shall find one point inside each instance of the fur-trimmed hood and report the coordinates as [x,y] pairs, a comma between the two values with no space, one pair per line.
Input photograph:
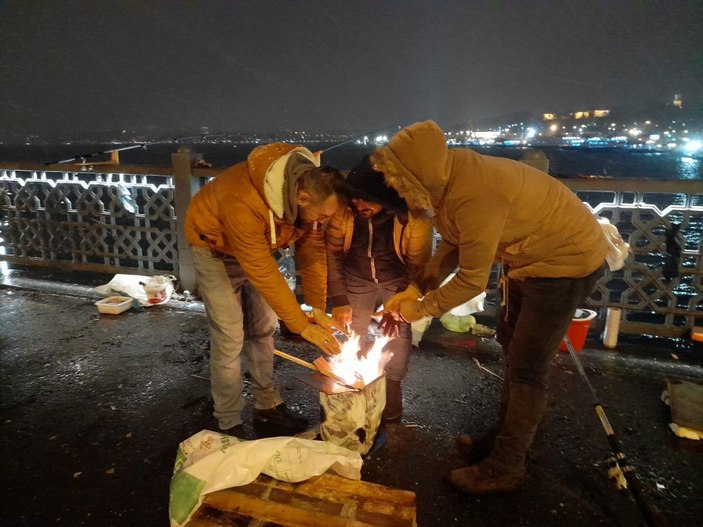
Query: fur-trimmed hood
[485,208]
[417,164]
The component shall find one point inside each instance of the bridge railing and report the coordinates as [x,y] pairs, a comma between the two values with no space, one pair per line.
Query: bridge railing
[128,219]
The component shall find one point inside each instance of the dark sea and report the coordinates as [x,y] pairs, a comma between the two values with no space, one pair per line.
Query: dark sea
[563,161]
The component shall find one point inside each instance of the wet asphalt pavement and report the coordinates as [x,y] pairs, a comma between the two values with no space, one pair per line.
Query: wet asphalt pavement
[94,407]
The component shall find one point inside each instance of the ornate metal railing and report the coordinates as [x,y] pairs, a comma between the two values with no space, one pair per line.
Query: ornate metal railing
[128,219]
[661,284]
[109,221]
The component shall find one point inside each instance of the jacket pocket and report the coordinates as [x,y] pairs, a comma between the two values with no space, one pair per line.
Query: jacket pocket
[521,247]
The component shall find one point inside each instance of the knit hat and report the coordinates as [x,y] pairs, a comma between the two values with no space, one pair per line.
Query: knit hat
[366,183]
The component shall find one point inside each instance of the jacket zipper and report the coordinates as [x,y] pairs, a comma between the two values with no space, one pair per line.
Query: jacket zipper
[369,253]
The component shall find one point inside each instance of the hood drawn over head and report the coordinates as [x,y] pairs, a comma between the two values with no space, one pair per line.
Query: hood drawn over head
[267,169]
[368,184]
[415,164]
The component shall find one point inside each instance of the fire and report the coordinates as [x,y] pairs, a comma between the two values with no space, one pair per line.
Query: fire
[351,367]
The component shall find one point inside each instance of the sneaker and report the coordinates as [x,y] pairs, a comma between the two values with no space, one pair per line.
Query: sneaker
[394,402]
[280,420]
[487,478]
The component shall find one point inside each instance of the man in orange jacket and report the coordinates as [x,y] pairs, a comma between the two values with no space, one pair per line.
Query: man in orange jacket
[279,196]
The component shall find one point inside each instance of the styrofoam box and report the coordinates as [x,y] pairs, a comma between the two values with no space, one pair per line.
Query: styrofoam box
[114,305]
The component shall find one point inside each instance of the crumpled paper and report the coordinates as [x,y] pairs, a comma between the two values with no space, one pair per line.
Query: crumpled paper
[210,461]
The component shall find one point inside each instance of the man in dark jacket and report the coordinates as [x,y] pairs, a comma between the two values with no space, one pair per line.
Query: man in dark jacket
[374,249]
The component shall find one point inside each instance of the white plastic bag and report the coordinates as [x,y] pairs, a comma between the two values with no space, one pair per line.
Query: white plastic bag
[459,318]
[132,285]
[418,329]
[619,248]
[210,461]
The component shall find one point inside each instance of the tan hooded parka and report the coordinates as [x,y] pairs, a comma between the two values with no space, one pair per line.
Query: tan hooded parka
[486,208]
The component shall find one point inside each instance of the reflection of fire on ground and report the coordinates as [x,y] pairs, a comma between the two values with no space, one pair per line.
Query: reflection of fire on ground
[352,366]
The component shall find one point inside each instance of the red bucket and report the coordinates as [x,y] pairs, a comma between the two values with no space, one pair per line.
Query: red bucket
[578,329]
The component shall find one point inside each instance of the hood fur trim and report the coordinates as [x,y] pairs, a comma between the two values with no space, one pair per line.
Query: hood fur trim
[414,163]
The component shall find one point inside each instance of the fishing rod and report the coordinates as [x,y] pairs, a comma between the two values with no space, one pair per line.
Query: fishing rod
[395,128]
[619,468]
[83,157]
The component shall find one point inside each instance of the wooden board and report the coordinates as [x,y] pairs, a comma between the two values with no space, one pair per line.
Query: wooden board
[324,501]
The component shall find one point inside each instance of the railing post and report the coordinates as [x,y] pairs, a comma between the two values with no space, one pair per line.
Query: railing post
[185,188]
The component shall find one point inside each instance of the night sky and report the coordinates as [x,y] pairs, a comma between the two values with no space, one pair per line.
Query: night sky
[76,67]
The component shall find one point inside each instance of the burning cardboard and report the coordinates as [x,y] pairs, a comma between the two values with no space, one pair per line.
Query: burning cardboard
[351,417]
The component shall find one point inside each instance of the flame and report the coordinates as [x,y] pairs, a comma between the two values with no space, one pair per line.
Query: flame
[351,367]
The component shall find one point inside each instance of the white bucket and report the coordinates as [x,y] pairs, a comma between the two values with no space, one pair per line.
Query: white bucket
[159,289]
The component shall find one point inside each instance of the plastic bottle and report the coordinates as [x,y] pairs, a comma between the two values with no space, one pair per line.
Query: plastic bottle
[612,327]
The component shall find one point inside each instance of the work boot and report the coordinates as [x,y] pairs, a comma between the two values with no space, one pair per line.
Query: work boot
[504,469]
[477,448]
[394,402]
[487,478]
[279,421]
[524,412]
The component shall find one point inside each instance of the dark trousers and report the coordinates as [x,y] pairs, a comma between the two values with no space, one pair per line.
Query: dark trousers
[534,319]
[364,296]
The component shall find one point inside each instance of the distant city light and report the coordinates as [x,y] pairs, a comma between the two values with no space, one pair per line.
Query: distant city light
[692,146]
[634,132]
[554,128]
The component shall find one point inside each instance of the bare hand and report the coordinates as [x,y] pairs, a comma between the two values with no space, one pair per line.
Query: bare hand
[342,315]
[389,326]
[329,323]
[321,338]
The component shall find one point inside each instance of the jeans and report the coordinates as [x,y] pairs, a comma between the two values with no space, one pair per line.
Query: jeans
[364,296]
[534,319]
[235,312]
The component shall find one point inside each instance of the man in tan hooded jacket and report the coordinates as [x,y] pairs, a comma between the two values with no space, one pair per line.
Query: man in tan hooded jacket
[551,249]
[279,196]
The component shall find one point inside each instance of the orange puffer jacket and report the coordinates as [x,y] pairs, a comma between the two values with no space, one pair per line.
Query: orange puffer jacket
[240,213]
[412,243]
